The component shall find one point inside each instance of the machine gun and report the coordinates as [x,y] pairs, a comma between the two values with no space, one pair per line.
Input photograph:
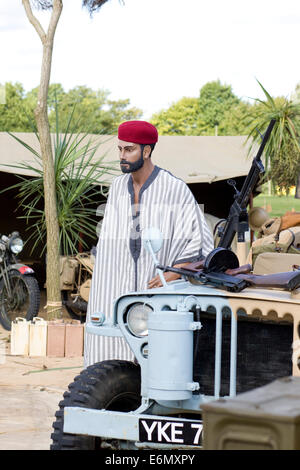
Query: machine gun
[237,221]
[222,258]
[221,267]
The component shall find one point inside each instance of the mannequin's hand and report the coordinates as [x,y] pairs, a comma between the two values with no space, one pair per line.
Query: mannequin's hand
[156,282]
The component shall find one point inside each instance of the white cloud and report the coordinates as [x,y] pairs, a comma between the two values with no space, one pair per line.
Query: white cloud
[154,52]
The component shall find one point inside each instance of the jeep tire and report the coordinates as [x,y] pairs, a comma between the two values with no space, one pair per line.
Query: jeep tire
[112,385]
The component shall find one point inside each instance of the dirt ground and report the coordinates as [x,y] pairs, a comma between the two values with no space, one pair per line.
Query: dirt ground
[31,388]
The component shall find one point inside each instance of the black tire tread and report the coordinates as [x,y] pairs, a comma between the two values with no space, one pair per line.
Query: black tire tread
[34,299]
[90,389]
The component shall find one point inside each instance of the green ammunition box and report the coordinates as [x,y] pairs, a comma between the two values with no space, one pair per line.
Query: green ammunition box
[266,418]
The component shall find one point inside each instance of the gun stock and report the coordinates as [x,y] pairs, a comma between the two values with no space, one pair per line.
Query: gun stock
[287,280]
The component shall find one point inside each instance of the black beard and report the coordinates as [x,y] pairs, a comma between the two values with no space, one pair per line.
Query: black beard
[132,167]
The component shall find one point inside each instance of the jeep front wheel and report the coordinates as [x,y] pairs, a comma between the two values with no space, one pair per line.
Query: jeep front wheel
[111,385]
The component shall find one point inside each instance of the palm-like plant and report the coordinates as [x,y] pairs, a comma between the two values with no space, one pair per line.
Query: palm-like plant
[80,181]
[283,145]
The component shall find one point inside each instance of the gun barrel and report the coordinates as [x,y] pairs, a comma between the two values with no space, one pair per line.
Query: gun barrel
[265,139]
[256,169]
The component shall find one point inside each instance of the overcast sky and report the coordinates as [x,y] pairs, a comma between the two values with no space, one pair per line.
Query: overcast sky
[154,52]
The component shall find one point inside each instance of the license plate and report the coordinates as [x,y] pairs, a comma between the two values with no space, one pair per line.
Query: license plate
[168,431]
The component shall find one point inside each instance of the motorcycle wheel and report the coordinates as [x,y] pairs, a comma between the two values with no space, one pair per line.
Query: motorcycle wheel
[24,300]
[76,310]
[111,385]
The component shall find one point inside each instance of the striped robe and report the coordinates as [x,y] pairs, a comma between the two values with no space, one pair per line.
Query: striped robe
[122,264]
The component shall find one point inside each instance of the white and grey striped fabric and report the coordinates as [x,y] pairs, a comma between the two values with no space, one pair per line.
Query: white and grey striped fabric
[122,264]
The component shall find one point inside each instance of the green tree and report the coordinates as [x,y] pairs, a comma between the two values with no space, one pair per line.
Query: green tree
[236,119]
[187,117]
[214,101]
[15,116]
[181,118]
[117,112]
[285,168]
[94,112]
[55,93]
[282,151]
[296,95]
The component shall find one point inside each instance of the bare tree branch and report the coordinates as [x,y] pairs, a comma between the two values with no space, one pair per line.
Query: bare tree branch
[56,5]
[33,20]
[56,12]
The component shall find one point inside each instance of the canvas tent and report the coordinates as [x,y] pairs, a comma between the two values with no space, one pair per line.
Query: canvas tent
[204,163]
[195,159]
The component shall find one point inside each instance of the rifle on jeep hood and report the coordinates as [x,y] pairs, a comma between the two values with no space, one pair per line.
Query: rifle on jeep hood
[236,282]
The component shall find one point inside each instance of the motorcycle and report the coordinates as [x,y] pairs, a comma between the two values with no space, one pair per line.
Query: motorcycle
[75,281]
[19,289]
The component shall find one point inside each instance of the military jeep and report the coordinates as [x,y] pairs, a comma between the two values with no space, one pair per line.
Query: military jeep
[193,343]
[195,340]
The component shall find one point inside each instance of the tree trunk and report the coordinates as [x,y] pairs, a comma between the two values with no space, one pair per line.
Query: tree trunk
[41,114]
[297,192]
[52,264]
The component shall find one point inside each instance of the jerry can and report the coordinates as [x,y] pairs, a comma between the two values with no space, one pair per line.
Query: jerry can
[38,337]
[19,341]
[56,338]
[74,339]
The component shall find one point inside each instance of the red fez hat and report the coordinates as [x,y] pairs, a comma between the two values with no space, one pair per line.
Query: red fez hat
[138,132]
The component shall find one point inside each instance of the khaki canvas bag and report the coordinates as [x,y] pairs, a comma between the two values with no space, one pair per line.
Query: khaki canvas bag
[270,227]
[286,241]
[68,268]
[277,224]
[271,263]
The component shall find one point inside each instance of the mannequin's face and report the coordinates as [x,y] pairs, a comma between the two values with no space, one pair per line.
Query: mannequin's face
[131,158]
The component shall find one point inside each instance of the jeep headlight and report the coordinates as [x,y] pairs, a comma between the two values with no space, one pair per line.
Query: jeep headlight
[137,319]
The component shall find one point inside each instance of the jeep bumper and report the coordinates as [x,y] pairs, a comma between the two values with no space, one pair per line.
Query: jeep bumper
[172,432]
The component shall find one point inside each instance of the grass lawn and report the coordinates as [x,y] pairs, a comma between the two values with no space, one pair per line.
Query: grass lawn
[277,205]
